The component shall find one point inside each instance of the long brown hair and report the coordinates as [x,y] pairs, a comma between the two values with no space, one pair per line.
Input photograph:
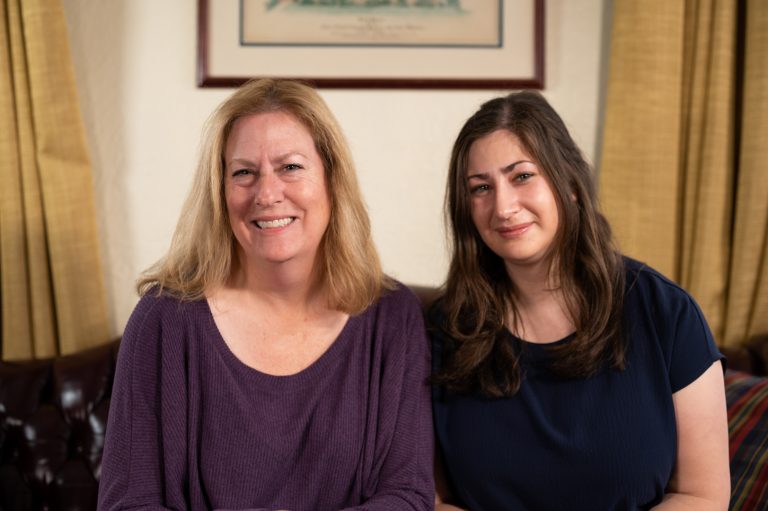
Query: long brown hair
[203,246]
[585,263]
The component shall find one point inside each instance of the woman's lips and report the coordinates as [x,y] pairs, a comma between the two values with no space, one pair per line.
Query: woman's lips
[514,231]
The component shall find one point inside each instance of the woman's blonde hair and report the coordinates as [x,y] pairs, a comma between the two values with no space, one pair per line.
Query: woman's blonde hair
[203,246]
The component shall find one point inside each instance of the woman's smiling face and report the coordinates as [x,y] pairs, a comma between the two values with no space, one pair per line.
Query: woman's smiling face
[513,207]
[275,189]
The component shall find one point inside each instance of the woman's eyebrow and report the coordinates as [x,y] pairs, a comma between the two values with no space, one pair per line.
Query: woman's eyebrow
[506,170]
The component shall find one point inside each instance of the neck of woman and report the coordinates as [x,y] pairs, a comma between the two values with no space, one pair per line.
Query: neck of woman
[280,286]
[541,312]
[534,283]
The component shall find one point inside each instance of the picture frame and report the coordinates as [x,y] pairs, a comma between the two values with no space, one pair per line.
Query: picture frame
[402,44]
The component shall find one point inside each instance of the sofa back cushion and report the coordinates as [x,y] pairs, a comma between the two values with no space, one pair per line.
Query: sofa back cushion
[53,416]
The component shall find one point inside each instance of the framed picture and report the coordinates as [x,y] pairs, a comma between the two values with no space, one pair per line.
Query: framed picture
[439,44]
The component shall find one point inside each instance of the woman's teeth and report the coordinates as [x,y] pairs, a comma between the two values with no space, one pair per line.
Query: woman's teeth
[274,224]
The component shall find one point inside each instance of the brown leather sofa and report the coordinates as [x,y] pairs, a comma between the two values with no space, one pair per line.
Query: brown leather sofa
[53,416]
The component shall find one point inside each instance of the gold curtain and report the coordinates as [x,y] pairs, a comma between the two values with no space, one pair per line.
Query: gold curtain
[684,177]
[747,310]
[51,284]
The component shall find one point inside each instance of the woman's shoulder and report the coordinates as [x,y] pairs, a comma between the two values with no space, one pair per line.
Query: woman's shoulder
[397,316]
[398,298]
[665,304]
[159,310]
[650,292]
[158,302]
[650,283]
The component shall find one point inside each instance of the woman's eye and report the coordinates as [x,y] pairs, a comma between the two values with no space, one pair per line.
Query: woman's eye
[523,176]
[240,172]
[292,166]
[475,190]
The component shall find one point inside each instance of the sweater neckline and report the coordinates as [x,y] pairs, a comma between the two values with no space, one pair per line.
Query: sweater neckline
[307,376]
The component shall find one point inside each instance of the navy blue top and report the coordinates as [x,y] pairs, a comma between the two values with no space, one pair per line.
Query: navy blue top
[607,442]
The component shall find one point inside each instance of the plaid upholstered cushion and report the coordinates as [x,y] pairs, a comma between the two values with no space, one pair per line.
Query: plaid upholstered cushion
[747,398]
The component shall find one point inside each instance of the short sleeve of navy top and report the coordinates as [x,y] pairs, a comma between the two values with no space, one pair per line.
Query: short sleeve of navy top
[603,443]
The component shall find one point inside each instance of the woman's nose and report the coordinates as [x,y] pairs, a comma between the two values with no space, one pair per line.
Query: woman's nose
[269,189]
[507,201]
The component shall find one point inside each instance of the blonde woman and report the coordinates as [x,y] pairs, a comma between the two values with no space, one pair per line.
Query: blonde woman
[270,364]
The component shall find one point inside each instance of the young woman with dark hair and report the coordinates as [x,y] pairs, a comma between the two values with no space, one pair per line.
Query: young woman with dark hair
[567,376]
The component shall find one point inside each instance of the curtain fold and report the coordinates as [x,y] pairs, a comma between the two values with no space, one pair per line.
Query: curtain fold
[639,182]
[51,284]
[747,314]
[680,178]
[706,153]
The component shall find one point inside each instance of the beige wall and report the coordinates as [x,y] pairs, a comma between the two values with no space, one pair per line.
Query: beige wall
[135,66]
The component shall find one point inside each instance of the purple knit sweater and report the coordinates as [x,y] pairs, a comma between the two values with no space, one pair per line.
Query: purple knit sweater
[192,427]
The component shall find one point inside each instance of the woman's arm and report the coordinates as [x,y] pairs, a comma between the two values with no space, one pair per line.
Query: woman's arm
[404,447]
[701,478]
[137,472]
